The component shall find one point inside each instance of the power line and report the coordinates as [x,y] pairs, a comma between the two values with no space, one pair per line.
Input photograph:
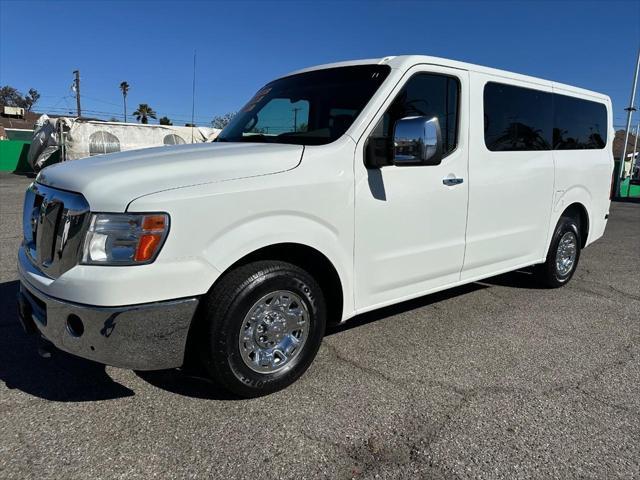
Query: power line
[101,101]
[104,112]
[69,110]
[185,117]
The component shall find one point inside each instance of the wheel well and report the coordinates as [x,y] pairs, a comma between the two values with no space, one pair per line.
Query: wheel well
[305,257]
[579,213]
[311,260]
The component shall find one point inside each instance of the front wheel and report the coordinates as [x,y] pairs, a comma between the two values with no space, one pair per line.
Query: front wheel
[264,323]
[563,255]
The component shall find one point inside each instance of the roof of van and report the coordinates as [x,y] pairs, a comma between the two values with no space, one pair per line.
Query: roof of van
[404,62]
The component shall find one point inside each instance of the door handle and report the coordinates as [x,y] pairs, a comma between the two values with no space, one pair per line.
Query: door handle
[449,182]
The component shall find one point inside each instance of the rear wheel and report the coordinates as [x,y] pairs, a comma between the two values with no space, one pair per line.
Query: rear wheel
[264,323]
[563,255]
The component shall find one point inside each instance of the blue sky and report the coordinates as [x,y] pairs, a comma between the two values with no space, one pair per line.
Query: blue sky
[242,45]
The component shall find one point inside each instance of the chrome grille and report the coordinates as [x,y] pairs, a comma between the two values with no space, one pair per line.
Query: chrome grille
[53,223]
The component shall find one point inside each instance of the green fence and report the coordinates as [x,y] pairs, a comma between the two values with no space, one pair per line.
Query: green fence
[627,189]
[13,156]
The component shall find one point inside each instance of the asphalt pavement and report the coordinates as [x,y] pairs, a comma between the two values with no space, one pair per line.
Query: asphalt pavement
[497,379]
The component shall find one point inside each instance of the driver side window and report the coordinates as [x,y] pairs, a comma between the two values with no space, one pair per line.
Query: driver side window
[425,94]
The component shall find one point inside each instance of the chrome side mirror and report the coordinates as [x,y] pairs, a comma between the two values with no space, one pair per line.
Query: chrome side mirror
[417,141]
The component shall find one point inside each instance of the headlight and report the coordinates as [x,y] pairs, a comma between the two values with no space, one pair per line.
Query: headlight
[124,239]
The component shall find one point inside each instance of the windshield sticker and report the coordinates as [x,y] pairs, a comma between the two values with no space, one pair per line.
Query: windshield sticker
[256,99]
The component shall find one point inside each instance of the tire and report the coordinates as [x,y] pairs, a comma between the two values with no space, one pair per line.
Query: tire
[555,273]
[262,289]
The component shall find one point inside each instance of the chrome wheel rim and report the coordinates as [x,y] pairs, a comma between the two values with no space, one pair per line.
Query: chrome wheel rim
[274,332]
[566,254]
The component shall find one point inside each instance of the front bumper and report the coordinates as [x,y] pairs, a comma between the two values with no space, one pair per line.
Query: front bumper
[149,336]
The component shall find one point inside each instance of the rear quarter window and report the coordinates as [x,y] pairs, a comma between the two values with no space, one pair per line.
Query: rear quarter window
[578,124]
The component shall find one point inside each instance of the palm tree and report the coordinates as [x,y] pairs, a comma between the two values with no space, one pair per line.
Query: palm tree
[144,113]
[124,86]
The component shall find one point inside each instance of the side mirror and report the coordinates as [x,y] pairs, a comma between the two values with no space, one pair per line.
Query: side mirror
[417,141]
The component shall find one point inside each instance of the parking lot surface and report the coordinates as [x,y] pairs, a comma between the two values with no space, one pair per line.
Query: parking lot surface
[497,379]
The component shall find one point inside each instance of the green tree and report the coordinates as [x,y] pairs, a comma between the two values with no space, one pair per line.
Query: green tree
[31,99]
[165,121]
[124,88]
[221,121]
[11,97]
[144,113]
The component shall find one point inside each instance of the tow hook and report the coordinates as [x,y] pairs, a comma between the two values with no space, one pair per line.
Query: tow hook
[45,348]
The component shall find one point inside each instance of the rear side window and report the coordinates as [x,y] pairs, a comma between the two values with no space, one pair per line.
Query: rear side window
[578,124]
[517,119]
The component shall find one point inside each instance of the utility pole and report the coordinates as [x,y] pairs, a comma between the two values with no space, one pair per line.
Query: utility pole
[76,88]
[193,96]
[630,109]
[634,160]
[295,118]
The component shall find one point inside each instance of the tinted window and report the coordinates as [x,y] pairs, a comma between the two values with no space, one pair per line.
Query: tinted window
[578,124]
[312,108]
[517,118]
[427,95]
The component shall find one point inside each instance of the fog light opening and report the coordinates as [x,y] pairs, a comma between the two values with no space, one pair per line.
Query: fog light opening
[75,327]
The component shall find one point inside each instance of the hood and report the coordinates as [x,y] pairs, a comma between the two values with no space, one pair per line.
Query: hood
[110,182]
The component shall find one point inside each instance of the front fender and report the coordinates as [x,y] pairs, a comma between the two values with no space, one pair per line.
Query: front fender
[259,231]
[219,225]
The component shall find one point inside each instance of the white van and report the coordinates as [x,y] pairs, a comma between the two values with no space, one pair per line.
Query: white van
[336,190]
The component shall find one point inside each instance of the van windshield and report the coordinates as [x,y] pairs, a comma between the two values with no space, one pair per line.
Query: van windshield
[312,108]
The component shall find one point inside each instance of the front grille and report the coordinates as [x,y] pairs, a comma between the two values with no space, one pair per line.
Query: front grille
[54,223]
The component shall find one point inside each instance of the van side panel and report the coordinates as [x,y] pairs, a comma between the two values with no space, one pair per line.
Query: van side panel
[584,176]
[510,195]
